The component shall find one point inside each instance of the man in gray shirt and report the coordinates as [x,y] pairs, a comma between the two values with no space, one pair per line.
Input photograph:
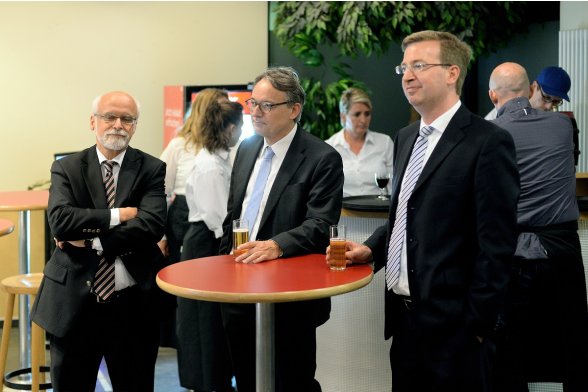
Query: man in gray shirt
[546,314]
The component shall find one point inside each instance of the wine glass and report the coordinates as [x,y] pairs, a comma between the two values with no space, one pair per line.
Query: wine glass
[382,178]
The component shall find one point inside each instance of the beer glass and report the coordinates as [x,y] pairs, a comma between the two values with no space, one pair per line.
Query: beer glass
[337,243]
[240,236]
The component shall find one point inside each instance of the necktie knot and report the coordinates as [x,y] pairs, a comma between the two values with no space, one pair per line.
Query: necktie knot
[109,166]
[426,131]
[268,154]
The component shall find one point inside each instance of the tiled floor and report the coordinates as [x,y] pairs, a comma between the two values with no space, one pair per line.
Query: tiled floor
[166,369]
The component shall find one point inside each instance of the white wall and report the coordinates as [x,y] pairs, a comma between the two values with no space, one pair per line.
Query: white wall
[573,15]
[56,57]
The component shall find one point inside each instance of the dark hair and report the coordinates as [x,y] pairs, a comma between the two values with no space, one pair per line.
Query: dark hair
[217,117]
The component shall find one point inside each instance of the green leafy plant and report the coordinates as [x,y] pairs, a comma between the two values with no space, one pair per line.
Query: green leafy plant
[369,27]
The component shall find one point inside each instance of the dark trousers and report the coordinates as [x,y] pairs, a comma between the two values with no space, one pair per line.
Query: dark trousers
[546,326]
[295,349]
[438,362]
[175,229]
[203,356]
[123,331]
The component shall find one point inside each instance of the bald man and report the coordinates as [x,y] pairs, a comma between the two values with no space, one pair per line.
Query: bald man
[97,300]
[547,316]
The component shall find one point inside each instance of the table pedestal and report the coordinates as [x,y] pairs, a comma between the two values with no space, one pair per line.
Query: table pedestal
[24,267]
[264,347]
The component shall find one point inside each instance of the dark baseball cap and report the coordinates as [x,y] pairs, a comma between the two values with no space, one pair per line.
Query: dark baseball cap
[555,82]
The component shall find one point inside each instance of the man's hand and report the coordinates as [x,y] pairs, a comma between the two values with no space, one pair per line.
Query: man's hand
[127,213]
[164,247]
[354,253]
[76,243]
[258,251]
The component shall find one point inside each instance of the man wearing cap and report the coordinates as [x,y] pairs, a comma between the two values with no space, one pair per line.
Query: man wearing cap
[546,317]
[548,92]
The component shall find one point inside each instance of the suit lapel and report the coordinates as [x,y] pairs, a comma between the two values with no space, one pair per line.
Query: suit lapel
[92,174]
[127,175]
[452,135]
[403,157]
[293,159]
[243,171]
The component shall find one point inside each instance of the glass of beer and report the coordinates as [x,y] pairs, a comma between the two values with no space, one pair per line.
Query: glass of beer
[240,236]
[337,243]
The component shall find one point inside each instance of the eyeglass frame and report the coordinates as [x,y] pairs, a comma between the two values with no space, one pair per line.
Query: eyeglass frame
[549,98]
[124,123]
[402,68]
[264,107]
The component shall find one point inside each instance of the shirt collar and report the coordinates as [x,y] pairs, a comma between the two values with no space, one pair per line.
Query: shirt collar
[280,148]
[443,120]
[339,138]
[118,159]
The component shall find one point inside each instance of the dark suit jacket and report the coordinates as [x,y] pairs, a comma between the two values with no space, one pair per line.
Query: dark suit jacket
[304,201]
[461,226]
[78,210]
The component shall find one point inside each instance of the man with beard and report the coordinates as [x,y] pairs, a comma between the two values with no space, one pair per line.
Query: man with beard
[106,211]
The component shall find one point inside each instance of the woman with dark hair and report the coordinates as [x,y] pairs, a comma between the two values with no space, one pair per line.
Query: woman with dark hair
[203,357]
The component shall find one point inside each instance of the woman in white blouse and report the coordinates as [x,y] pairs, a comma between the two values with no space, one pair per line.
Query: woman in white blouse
[364,152]
[203,357]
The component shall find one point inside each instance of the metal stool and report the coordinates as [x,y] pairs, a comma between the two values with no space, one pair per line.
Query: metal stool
[23,285]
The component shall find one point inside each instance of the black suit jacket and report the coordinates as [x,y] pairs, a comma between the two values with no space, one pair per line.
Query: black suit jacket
[78,210]
[304,201]
[461,226]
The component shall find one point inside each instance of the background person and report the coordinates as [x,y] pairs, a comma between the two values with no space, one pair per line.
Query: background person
[289,214]
[202,349]
[547,314]
[450,235]
[364,152]
[104,236]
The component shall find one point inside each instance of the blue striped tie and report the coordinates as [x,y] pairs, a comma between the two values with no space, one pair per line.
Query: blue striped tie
[252,210]
[411,176]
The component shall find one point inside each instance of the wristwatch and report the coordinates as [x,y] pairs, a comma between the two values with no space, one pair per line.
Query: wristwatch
[88,243]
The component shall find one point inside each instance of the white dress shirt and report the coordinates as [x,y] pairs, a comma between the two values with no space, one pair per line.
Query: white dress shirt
[440,124]
[280,148]
[207,189]
[376,154]
[179,160]
[122,277]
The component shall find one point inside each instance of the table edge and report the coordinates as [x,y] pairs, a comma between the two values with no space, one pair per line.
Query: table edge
[286,296]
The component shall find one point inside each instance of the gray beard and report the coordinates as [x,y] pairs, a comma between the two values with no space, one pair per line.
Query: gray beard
[115,143]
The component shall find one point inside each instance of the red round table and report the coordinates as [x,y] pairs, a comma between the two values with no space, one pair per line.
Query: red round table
[24,202]
[220,279]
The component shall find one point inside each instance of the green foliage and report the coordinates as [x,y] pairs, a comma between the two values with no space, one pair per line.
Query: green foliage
[368,27]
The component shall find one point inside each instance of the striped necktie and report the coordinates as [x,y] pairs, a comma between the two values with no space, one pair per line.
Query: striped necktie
[411,175]
[104,279]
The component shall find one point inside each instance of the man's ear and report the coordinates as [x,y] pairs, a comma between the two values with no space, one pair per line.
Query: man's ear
[493,97]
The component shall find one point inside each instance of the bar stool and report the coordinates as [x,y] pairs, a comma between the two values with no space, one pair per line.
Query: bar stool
[27,284]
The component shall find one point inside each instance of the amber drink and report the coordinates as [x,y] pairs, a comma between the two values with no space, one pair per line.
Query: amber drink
[337,261]
[240,236]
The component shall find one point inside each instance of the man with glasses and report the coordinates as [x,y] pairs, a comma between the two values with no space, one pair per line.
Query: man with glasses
[547,316]
[98,298]
[451,231]
[288,186]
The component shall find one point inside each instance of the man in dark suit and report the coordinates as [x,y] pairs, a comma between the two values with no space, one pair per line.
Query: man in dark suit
[106,211]
[451,230]
[294,208]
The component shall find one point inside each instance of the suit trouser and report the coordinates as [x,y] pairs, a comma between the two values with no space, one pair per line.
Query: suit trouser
[295,349]
[452,361]
[124,331]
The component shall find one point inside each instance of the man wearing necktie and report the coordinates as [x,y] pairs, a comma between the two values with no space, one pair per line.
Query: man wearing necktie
[97,300]
[288,184]
[451,231]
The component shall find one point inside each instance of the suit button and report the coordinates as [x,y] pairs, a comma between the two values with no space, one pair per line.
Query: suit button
[98,231]
[410,240]
[88,283]
[99,253]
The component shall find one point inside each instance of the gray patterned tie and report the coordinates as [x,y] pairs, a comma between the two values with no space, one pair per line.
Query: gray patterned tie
[104,279]
[412,174]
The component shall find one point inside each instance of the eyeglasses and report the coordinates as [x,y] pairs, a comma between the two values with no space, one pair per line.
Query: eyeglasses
[555,102]
[109,119]
[417,67]
[265,107]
